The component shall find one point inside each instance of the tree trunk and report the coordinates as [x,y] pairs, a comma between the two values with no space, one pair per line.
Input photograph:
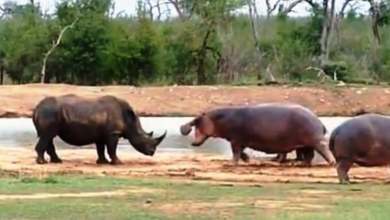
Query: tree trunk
[325,33]
[1,75]
[201,57]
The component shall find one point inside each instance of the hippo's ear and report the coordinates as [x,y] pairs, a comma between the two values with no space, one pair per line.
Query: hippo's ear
[218,116]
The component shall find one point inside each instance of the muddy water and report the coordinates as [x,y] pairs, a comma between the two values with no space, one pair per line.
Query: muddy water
[20,132]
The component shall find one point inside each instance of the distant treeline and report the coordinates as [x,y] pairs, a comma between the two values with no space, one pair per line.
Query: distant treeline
[206,44]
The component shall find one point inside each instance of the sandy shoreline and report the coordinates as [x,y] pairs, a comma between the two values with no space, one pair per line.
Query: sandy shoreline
[19,100]
[194,167]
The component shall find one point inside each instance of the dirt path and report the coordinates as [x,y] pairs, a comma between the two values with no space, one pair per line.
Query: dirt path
[19,100]
[76,195]
[193,168]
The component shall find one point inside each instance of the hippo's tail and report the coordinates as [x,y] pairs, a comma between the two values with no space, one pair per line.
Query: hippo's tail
[332,138]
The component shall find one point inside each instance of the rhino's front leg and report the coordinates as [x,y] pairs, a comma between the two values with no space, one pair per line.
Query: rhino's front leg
[100,148]
[112,144]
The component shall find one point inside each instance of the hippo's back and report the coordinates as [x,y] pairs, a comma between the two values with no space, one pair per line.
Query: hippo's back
[364,125]
[286,107]
[277,114]
[294,114]
[363,139]
[272,126]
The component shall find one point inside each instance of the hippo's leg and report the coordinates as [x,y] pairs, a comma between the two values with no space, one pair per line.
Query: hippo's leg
[275,159]
[306,155]
[280,158]
[51,150]
[325,153]
[100,147]
[300,155]
[237,151]
[112,144]
[388,166]
[244,157]
[343,166]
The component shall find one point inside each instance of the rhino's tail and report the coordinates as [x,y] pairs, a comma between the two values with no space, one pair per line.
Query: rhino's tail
[44,110]
[332,138]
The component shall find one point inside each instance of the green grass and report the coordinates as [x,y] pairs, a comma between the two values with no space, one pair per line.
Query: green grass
[164,199]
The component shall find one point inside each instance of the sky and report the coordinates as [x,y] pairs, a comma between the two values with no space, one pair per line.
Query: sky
[129,6]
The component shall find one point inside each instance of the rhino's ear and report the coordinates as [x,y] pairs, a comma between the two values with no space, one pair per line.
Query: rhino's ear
[129,115]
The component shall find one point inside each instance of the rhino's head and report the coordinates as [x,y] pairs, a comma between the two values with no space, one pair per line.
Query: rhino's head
[142,141]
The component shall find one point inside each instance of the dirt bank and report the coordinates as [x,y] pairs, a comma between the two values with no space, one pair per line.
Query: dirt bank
[196,167]
[19,100]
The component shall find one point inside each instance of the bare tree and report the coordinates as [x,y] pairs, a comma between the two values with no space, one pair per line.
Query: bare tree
[157,5]
[253,13]
[150,5]
[177,4]
[55,44]
[374,22]
[8,8]
[185,11]
[328,25]
[341,14]
[285,9]
[344,7]
[2,67]
[271,8]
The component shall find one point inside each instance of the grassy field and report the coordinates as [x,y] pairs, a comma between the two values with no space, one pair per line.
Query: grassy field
[148,199]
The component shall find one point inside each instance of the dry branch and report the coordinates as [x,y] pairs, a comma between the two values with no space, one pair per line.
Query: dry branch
[290,7]
[55,44]
[272,8]
[176,5]
[344,7]
[321,74]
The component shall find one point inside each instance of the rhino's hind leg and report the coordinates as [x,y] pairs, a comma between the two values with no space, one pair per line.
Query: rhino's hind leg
[112,144]
[343,166]
[41,147]
[100,147]
[51,151]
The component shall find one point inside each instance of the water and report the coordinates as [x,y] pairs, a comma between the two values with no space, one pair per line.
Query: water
[20,132]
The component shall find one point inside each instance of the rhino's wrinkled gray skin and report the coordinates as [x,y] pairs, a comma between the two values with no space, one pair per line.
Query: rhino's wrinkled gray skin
[79,121]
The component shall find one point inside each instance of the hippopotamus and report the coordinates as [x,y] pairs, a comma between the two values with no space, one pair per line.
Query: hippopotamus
[363,140]
[82,121]
[269,127]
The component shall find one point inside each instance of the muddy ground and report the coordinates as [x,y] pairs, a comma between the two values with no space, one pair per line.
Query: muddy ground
[196,167]
[19,100]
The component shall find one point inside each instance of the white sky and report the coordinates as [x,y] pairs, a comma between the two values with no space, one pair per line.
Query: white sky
[129,6]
